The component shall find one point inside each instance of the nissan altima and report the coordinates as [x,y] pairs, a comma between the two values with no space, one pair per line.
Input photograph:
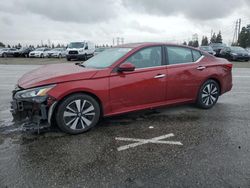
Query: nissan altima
[122,79]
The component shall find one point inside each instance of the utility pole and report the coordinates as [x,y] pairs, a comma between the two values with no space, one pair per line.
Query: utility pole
[239,30]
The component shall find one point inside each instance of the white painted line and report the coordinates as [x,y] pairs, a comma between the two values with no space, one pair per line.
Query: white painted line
[139,142]
[241,76]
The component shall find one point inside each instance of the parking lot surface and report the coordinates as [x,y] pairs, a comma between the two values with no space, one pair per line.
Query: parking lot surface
[213,149]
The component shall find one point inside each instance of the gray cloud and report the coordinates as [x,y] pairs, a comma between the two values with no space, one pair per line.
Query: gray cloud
[78,11]
[194,9]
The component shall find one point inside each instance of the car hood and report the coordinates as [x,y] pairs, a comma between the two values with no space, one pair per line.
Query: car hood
[53,74]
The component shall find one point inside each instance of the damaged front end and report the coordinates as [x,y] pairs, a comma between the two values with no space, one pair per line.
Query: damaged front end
[33,105]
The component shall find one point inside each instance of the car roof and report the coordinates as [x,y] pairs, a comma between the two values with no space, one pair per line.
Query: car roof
[148,44]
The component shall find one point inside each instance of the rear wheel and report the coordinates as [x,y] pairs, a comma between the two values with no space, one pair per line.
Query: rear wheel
[68,59]
[208,94]
[78,113]
[41,56]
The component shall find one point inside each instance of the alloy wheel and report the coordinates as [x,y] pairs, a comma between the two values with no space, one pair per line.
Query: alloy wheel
[210,94]
[79,114]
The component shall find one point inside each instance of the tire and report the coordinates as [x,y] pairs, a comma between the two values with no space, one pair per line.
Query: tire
[60,56]
[68,59]
[208,94]
[41,56]
[85,57]
[77,114]
[5,55]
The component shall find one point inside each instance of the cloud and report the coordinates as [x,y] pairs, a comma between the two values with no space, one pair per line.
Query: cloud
[78,11]
[193,9]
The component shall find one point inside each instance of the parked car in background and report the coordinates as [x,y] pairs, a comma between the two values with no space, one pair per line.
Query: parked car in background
[207,49]
[248,49]
[80,50]
[9,52]
[99,50]
[56,52]
[217,47]
[234,53]
[39,52]
[24,51]
[122,79]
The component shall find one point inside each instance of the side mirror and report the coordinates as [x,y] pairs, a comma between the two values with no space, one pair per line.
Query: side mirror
[86,48]
[126,67]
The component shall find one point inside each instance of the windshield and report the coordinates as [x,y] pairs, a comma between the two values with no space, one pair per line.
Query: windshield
[76,45]
[100,49]
[237,49]
[106,58]
[40,49]
[218,45]
[3,49]
[206,48]
[57,49]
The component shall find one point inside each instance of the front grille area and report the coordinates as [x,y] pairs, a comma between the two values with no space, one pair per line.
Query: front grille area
[73,52]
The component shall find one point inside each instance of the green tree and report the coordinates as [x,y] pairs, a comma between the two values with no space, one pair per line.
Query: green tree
[196,43]
[244,38]
[190,43]
[19,45]
[204,41]
[213,38]
[219,37]
[184,43]
[2,44]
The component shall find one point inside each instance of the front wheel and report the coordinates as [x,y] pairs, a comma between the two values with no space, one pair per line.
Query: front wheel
[78,113]
[208,94]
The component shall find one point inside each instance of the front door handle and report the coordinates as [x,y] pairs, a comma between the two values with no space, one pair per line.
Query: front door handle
[201,68]
[160,76]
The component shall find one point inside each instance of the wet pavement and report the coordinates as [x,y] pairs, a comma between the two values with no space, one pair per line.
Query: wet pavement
[215,150]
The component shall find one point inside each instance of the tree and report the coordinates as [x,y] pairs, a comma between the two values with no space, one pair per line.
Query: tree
[219,38]
[2,44]
[8,46]
[52,46]
[244,38]
[213,39]
[184,43]
[204,41]
[19,45]
[196,43]
[190,43]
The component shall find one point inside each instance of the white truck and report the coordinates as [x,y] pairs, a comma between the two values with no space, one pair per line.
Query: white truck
[80,50]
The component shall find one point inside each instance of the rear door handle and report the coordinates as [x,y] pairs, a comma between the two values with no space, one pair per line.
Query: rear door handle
[160,76]
[201,68]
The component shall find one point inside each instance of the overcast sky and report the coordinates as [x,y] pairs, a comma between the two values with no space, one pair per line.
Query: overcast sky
[62,21]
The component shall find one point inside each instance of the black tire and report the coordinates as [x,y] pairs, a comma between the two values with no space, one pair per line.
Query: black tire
[68,59]
[41,56]
[208,94]
[85,57]
[77,113]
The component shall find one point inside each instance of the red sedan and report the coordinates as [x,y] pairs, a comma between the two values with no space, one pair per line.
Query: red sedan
[126,78]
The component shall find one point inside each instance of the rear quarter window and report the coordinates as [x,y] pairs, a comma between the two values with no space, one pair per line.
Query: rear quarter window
[196,55]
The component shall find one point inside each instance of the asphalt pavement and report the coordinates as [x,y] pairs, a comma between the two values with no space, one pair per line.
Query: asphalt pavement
[173,147]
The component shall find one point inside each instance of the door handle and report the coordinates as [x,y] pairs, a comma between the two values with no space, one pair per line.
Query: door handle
[201,68]
[160,76]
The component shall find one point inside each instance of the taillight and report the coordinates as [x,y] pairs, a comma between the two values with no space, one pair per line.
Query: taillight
[229,66]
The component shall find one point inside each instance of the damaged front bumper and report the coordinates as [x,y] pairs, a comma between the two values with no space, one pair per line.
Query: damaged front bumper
[34,109]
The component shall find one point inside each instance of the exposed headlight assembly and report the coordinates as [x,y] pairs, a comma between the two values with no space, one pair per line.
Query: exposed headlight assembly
[34,93]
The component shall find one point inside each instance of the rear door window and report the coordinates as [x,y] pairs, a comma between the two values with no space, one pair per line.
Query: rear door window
[179,55]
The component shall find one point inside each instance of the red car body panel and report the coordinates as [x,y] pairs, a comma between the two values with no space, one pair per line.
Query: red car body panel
[124,92]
